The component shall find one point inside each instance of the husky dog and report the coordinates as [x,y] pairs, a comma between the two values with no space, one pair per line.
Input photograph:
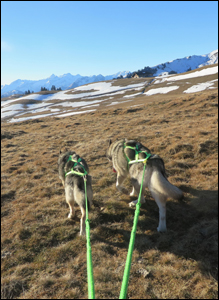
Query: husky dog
[74,183]
[155,178]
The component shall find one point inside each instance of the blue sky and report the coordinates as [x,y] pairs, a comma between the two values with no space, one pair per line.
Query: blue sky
[41,38]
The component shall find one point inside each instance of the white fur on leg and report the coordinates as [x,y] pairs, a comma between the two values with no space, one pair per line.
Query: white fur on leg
[82,221]
[82,227]
[161,203]
[133,192]
[162,219]
[72,211]
[120,187]
[70,200]
[71,216]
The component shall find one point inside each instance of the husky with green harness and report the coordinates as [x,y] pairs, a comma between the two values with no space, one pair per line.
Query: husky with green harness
[73,171]
[129,158]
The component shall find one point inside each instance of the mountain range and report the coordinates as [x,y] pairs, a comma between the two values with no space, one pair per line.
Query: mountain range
[69,81]
[65,81]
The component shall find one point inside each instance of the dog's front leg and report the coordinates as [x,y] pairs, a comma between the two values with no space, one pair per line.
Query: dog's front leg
[119,186]
[136,191]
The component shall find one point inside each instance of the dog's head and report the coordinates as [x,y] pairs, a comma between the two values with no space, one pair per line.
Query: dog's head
[64,155]
[108,151]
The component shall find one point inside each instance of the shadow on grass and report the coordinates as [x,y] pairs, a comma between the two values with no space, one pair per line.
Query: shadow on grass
[192,229]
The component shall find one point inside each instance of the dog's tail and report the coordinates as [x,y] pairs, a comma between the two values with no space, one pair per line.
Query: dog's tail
[161,185]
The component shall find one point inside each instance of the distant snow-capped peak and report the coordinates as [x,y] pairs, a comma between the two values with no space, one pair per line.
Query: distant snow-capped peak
[187,63]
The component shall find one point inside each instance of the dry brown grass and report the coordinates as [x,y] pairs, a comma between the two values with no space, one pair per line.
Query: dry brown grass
[42,254]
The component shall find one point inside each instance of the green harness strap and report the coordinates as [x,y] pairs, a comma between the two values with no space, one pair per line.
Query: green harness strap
[127,269]
[76,162]
[137,151]
[90,278]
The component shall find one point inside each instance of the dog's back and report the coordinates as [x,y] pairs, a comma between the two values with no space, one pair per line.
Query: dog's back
[115,153]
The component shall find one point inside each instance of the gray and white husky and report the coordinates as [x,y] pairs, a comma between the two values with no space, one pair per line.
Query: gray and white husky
[155,178]
[74,184]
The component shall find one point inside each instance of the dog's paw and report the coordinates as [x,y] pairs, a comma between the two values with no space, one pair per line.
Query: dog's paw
[133,203]
[70,216]
[162,229]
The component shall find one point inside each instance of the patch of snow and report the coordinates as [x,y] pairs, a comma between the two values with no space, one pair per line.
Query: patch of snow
[11,111]
[92,105]
[74,113]
[29,118]
[113,103]
[162,90]
[137,105]
[106,87]
[116,102]
[200,87]
[133,95]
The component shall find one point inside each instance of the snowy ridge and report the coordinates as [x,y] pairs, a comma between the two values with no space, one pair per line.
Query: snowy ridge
[89,97]
[187,63]
[69,81]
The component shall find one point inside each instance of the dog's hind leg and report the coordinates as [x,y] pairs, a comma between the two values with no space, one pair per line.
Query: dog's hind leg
[89,191]
[161,202]
[83,217]
[79,196]
[70,200]
[120,179]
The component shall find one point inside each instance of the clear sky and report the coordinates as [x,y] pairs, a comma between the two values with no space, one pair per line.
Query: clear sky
[41,38]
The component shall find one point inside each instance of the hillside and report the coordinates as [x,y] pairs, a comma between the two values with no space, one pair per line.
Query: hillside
[42,255]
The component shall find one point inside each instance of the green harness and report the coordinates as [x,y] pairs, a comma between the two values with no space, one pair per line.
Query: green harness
[137,151]
[76,162]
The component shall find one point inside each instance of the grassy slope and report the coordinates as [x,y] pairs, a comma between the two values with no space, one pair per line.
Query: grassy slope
[42,254]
